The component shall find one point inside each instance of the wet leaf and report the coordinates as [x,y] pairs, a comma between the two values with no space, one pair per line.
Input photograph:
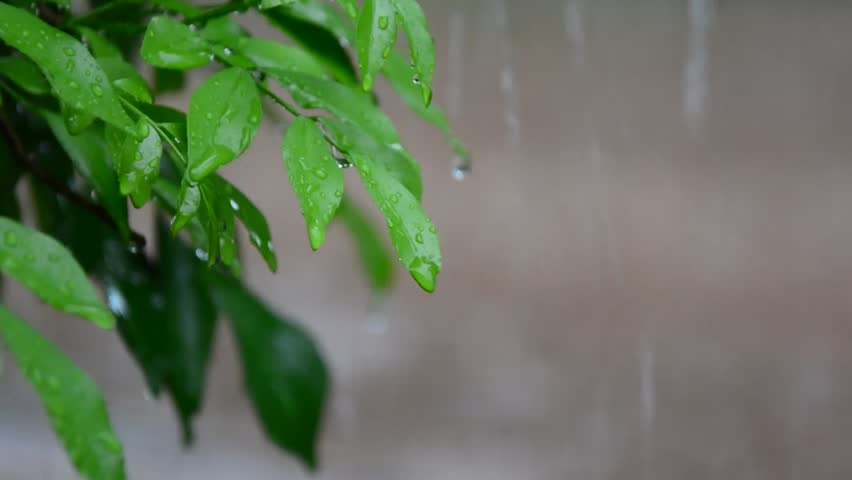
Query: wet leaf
[283,371]
[412,233]
[48,269]
[420,42]
[224,114]
[350,138]
[73,73]
[314,176]
[223,30]
[125,78]
[25,74]
[251,217]
[137,160]
[171,44]
[167,195]
[74,403]
[268,54]
[100,46]
[89,154]
[376,38]
[375,258]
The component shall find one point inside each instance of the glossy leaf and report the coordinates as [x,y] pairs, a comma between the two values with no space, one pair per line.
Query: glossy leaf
[48,269]
[223,30]
[348,104]
[74,403]
[25,74]
[167,195]
[73,73]
[412,233]
[137,160]
[125,78]
[224,114]
[350,7]
[89,154]
[376,38]
[283,371]
[189,203]
[307,24]
[420,42]
[375,258]
[314,175]
[252,218]
[268,54]
[171,44]
[76,120]
[351,138]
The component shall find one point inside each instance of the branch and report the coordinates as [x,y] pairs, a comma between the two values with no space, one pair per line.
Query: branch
[29,164]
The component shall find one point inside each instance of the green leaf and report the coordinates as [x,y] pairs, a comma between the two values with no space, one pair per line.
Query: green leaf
[224,114]
[251,217]
[314,175]
[171,44]
[100,46]
[420,42]
[189,203]
[352,139]
[283,372]
[412,233]
[168,198]
[350,7]
[267,4]
[76,120]
[50,271]
[376,38]
[308,25]
[398,73]
[76,77]
[137,160]
[125,78]
[268,54]
[186,328]
[347,103]
[74,403]
[25,74]
[375,258]
[89,154]
[223,30]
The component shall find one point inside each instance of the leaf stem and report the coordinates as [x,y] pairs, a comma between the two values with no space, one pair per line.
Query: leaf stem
[269,93]
[168,138]
[28,163]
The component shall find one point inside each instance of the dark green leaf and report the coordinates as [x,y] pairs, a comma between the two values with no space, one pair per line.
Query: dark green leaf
[223,30]
[89,154]
[314,176]
[137,160]
[25,74]
[299,21]
[74,403]
[168,80]
[350,138]
[420,42]
[50,271]
[375,258]
[224,114]
[100,46]
[125,78]
[171,44]
[268,54]
[76,77]
[168,197]
[283,371]
[252,218]
[376,38]
[412,232]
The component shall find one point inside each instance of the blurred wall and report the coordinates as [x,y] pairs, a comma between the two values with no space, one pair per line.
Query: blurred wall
[647,275]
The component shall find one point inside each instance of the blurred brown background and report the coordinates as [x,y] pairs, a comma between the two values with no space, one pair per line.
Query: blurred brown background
[647,275]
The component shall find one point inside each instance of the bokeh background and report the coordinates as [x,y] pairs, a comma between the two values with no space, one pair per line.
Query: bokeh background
[647,274]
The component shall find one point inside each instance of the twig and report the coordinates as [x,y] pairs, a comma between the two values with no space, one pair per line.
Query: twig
[29,164]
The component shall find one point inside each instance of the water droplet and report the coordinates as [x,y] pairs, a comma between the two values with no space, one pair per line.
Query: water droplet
[390,222]
[202,254]
[255,238]
[97,90]
[419,238]
[387,51]
[321,173]
[69,51]
[383,22]
[193,27]
[53,257]
[461,171]
[29,257]
[338,193]
[209,116]
[115,301]
[394,198]
[416,80]
[10,238]
[143,130]
[234,205]
[432,229]
[227,51]
[138,156]
[40,46]
[73,84]
[53,383]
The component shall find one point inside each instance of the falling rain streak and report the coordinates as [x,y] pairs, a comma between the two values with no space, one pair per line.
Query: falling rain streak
[455,83]
[695,75]
[507,75]
[575,29]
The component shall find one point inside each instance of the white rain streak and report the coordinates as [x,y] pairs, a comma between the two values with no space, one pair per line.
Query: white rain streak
[455,64]
[575,29]
[507,75]
[647,400]
[695,75]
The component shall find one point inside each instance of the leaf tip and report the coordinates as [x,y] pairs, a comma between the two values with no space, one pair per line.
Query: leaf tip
[426,280]
[316,235]
[367,82]
[427,94]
